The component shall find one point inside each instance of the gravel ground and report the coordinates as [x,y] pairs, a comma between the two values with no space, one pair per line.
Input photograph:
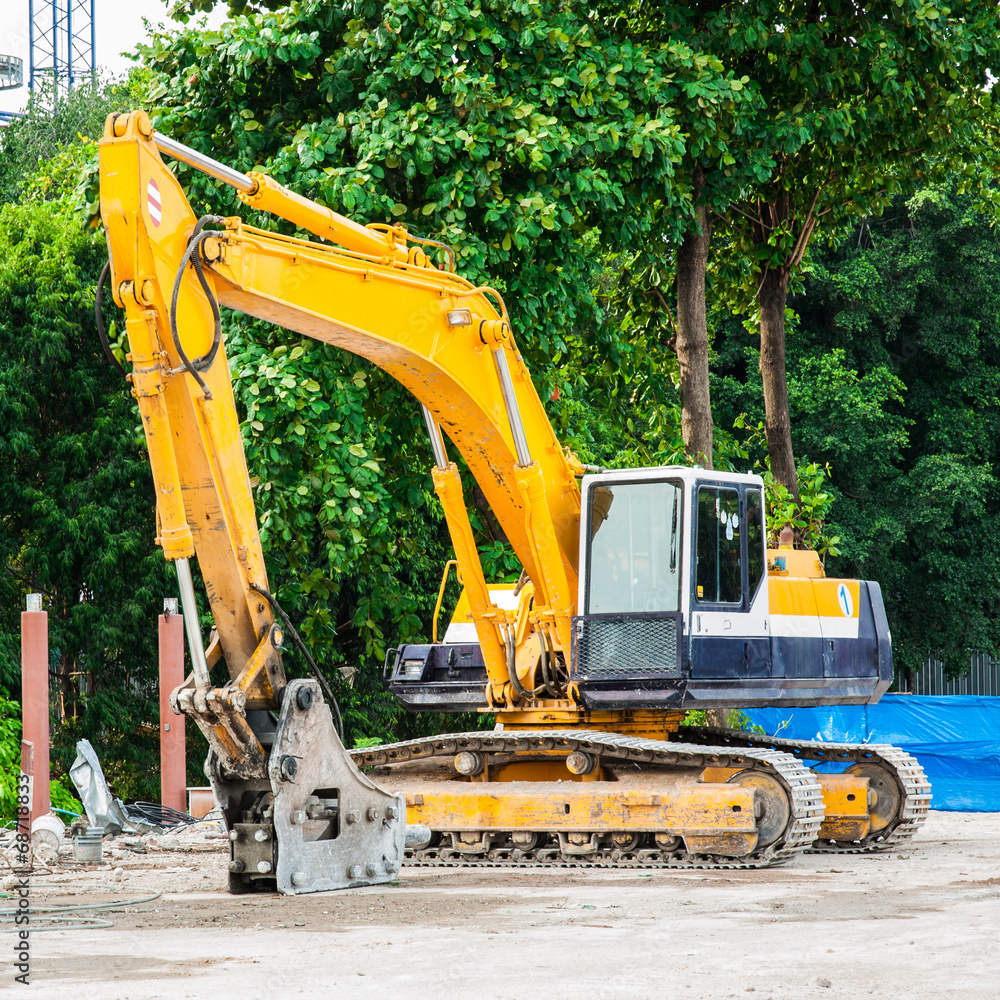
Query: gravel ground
[919,923]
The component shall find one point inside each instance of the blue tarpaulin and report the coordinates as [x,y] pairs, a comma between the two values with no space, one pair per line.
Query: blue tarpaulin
[956,738]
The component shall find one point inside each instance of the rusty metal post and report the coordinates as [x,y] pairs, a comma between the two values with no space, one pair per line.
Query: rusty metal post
[173,757]
[35,698]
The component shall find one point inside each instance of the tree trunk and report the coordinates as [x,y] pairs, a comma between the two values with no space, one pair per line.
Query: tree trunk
[717,718]
[490,522]
[692,335]
[773,293]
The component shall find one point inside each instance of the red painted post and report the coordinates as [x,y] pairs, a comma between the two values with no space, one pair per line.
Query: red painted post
[35,698]
[173,757]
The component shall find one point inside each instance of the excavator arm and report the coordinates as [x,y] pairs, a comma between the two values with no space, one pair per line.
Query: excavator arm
[375,292]
[446,340]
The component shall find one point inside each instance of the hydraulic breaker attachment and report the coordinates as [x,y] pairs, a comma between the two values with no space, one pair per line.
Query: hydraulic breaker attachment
[316,822]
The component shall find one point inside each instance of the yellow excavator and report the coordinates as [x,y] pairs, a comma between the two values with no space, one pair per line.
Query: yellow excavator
[645,593]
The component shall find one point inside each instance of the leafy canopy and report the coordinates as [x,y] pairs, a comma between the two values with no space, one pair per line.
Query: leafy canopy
[860,102]
[508,129]
[77,517]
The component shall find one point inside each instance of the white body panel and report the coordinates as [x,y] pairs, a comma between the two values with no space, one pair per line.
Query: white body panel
[465,632]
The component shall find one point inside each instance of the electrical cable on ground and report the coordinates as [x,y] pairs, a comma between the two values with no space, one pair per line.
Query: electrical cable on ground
[160,815]
[62,917]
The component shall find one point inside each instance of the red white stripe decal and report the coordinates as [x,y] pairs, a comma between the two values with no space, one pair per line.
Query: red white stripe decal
[153,202]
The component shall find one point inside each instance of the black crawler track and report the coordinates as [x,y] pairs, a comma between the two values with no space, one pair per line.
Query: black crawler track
[804,795]
[915,789]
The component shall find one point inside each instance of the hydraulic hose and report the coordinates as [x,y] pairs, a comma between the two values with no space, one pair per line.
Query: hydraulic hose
[286,621]
[98,316]
[522,691]
[548,681]
[557,685]
[193,256]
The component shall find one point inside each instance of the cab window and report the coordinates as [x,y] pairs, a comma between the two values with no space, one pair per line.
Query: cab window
[634,562]
[755,540]
[719,549]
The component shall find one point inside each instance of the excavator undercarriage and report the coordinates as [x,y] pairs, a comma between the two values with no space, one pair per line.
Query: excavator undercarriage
[715,798]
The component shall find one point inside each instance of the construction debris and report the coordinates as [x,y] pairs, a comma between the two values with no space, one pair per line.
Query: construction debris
[102,807]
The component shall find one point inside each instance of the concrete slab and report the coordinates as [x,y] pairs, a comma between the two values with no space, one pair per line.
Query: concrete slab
[913,925]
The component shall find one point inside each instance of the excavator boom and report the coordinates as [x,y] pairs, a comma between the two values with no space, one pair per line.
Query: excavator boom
[446,340]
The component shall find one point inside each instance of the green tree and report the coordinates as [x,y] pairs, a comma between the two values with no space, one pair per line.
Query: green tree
[40,134]
[894,384]
[860,102]
[718,165]
[915,292]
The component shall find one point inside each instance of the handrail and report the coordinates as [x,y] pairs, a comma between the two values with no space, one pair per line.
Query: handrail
[437,607]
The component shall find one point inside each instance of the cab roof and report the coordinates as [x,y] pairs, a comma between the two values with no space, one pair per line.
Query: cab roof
[684,472]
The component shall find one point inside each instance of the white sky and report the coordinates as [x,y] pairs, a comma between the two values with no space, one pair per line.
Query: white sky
[119,25]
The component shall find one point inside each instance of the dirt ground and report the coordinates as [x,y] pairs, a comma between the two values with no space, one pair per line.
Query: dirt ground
[919,923]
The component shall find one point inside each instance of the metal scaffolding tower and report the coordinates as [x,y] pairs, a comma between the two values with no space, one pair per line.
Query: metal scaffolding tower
[62,44]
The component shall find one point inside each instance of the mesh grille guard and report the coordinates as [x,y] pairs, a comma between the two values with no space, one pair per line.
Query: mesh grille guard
[627,646]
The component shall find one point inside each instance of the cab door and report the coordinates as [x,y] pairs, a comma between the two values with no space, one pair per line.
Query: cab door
[729,605]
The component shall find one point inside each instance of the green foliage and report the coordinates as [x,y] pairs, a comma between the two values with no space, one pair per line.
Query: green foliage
[846,426]
[10,757]
[366,741]
[894,391]
[915,294]
[718,164]
[40,134]
[857,106]
[184,10]
[807,515]
[510,130]
[60,795]
[77,517]
[736,718]
[852,420]
[941,563]
[525,135]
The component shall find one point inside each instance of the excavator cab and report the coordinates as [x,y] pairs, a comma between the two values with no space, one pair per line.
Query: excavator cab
[683,606]
[673,554]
